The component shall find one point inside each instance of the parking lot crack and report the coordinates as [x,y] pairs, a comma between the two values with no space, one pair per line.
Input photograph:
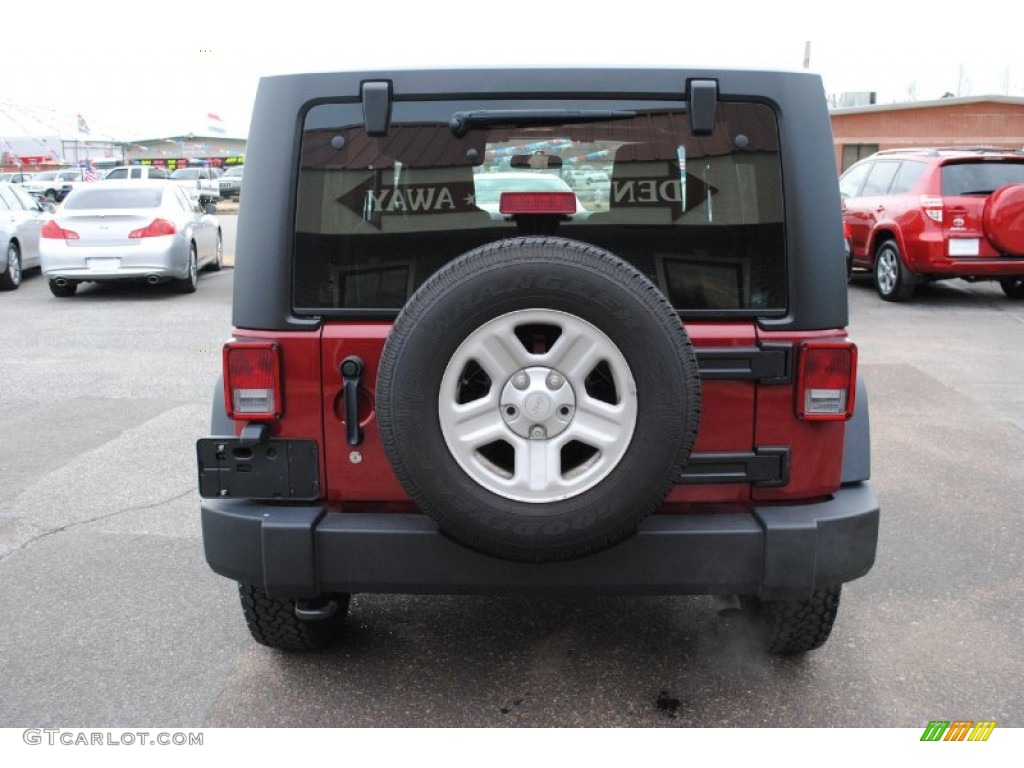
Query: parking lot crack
[48,532]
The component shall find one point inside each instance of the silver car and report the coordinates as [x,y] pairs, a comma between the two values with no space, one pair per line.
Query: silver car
[21,218]
[129,230]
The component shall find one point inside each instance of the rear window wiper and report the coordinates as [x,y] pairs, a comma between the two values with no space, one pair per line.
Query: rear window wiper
[462,122]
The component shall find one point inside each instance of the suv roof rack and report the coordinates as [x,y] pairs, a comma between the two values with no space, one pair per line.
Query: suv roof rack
[936,151]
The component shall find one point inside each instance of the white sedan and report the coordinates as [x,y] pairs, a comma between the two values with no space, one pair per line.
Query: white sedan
[139,230]
[21,218]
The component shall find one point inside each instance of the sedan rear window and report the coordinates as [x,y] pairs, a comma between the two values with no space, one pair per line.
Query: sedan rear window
[92,199]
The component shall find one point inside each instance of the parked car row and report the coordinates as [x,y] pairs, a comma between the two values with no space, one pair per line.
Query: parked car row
[205,184]
[146,230]
[916,215]
[54,185]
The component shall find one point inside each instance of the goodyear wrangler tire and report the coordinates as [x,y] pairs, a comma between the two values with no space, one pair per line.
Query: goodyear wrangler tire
[537,398]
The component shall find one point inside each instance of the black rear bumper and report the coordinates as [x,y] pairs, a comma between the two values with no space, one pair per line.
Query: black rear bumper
[777,552]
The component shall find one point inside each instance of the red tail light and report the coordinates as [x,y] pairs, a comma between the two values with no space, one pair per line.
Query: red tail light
[846,229]
[563,203]
[252,380]
[54,231]
[156,228]
[826,381]
[932,206]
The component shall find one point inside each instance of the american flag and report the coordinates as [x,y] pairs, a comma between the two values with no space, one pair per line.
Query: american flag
[216,123]
[89,171]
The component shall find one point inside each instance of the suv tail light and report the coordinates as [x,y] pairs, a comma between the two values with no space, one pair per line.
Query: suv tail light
[252,380]
[932,206]
[54,231]
[826,381]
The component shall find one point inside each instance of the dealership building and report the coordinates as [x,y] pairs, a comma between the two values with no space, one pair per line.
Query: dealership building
[980,121]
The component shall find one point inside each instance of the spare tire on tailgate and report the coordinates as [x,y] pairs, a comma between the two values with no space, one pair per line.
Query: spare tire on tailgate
[1003,219]
[537,398]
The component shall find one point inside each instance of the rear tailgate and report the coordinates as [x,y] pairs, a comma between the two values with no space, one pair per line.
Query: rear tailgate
[723,452]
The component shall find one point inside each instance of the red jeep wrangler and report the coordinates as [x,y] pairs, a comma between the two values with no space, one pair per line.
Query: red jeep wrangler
[451,374]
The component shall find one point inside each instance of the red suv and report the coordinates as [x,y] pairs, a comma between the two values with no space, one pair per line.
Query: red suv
[449,376]
[916,215]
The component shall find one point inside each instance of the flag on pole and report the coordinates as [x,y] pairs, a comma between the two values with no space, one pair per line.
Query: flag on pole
[83,127]
[89,172]
[216,124]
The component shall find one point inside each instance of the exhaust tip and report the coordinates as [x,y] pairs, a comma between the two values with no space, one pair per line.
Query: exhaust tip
[153,280]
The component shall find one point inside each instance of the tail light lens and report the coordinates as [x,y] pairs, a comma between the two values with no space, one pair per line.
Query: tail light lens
[826,381]
[156,228]
[847,233]
[252,380]
[932,206]
[54,231]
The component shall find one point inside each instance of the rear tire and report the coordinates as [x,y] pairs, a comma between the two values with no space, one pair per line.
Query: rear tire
[10,278]
[789,627]
[190,282]
[890,274]
[273,622]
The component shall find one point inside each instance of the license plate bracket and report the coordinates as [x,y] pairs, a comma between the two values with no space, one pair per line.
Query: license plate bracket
[274,468]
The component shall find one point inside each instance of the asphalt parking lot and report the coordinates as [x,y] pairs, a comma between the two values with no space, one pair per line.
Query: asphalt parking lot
[112,617]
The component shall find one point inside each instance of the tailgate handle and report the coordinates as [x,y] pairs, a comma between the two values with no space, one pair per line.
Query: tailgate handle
[352,374]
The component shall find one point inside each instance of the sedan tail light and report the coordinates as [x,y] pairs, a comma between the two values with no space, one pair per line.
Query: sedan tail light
[54,231]
[826,381]
[252,380]
[156,228]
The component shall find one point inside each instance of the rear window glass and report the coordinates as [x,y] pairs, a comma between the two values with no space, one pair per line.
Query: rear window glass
[92,198]
[980,178]
[701,216]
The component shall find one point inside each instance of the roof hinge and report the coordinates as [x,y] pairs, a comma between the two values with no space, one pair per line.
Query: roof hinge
[376,97]
[703,98]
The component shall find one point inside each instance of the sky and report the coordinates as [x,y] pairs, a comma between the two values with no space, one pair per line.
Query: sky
[137,71]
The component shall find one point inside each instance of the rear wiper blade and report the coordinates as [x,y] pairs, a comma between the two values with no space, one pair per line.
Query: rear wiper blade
[461,122]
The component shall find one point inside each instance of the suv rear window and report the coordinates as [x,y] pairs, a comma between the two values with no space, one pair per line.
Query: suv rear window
[980,178]
[701,216]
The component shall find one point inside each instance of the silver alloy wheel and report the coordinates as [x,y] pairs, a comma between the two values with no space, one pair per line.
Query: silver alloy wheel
[540,430]
[13,265]
[886,270]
